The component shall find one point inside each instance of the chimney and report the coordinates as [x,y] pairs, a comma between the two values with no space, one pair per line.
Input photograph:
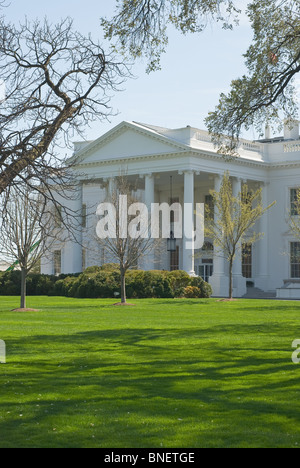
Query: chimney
[267,132]
[291,129]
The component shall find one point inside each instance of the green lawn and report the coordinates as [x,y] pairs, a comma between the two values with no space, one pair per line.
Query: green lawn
[165,373]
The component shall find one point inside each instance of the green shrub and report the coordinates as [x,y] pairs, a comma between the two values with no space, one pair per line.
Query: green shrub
[110,267]
[10,283]
[92,270]
[94,283]
[40,285]
[66,287]
[135,284]
[144,284]
[179,280]
[205,288]
[191,292]
[10,288]
[104,282]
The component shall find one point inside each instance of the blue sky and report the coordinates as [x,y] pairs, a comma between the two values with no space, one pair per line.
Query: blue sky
[195,69]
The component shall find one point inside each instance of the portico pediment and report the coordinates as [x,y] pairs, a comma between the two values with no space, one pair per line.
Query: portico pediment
[127,141]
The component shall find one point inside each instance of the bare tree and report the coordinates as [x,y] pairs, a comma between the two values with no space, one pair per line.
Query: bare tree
[124,228]
[26,233]
[57,82]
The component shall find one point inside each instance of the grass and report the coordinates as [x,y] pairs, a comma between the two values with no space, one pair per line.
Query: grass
[166,373]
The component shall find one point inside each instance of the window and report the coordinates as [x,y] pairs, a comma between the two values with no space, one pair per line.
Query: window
[57,217]
[208,247]
[294,201]
[295,259]
[247,260]
[83,215]
[57,262]
[174,260]
[206,269]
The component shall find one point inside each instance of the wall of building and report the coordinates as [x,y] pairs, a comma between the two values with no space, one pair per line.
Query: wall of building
[274,165]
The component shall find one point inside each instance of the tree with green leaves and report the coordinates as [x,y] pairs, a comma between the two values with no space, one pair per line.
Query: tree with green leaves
[266,94]
[140,27]
[230,218]
[263,95]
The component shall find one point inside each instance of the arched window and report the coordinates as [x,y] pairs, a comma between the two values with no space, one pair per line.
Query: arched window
[208,247]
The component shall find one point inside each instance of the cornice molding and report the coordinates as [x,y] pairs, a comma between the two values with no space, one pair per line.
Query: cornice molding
[127,159]
[181,150]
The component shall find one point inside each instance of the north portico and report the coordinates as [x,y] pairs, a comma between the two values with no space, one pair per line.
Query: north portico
[182,165]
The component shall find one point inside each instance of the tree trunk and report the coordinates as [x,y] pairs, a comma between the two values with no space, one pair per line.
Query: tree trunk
[23,288]
[230,279]
[123,287]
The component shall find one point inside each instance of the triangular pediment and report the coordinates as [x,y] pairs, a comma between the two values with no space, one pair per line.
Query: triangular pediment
[127,140]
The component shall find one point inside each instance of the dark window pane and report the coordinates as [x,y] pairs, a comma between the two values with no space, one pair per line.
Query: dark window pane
[247,260]
[295,259]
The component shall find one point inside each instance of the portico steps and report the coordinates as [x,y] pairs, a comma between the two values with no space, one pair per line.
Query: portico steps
[256,293]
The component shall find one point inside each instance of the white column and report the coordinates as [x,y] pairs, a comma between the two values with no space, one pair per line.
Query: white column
[149,191]
[47,263]
[77,261]
[262,277]
[110,187]
[236,191]
[72,251]
[219,281]
[188,224]
[149,199]
[239,282]
[219,260]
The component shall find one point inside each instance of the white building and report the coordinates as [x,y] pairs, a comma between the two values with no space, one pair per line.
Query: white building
[149,156]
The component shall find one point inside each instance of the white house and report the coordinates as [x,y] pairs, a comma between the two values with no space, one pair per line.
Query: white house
[152,157]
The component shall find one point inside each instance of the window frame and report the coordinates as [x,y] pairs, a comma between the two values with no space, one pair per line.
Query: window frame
[295,265]
[293,192]
[247,266]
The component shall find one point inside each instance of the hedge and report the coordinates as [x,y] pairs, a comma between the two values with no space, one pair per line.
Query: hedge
[104,282]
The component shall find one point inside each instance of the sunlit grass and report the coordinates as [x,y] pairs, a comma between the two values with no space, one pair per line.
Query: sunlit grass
[165,373]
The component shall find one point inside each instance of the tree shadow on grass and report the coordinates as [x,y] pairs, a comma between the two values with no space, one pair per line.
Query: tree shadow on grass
[153,403]
[144,387]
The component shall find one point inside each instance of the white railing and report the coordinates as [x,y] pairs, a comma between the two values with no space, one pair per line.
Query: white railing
[291,147]
[202,136]
[248,146]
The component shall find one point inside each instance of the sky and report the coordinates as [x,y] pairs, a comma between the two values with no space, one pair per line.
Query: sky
[195,69]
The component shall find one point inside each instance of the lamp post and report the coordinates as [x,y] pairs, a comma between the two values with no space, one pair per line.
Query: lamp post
[171,242]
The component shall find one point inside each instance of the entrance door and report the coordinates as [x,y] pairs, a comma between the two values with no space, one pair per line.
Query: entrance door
[206,269]
[247,260]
